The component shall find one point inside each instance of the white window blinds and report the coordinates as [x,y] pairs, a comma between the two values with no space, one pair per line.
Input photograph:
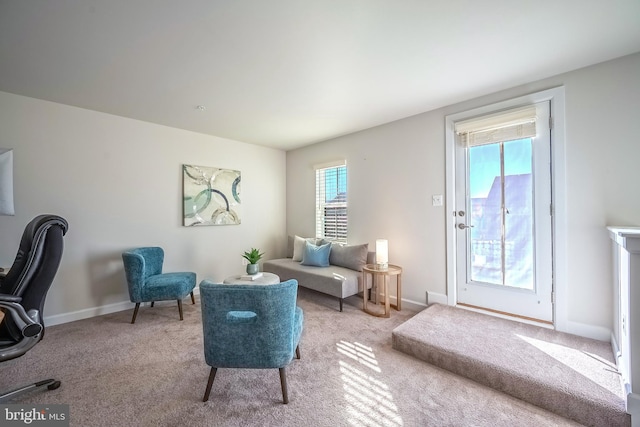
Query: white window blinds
[507,125]
[331,201]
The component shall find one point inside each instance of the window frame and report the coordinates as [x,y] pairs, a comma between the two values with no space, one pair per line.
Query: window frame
[336,224]
[556,97]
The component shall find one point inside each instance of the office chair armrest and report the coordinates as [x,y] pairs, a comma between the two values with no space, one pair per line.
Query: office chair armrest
[28,323]
[9,298]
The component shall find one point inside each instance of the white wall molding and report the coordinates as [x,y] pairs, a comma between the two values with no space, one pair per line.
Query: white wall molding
[58,319]
[406,303]
[633,408]
[437,298]
[72,316]
[589,331]
[411,305]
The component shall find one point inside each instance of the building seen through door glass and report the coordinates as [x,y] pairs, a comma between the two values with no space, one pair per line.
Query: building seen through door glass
[500,179]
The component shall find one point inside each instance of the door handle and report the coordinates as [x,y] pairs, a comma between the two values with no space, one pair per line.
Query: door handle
[464,226]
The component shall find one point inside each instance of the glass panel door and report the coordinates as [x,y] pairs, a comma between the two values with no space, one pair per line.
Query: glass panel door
[500,178]
[503,201]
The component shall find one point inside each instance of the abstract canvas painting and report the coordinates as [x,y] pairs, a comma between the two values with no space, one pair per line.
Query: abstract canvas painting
[211,195]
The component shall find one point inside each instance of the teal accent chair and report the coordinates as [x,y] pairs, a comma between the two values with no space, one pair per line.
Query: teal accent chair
[147,282]
[250,326]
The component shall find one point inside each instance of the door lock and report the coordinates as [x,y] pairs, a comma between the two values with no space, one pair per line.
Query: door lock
[464,226]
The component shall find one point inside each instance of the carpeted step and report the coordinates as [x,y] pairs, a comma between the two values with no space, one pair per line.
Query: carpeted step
[571,376]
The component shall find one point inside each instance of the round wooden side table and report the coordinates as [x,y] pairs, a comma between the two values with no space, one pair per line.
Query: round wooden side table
[377,272]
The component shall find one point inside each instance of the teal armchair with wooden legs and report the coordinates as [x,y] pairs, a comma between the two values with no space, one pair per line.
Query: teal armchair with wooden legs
[147,282]
[250,326]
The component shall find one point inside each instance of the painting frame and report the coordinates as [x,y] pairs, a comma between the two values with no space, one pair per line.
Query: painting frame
[211,196]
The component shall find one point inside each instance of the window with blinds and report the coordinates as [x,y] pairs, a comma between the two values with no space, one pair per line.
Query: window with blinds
[331,202]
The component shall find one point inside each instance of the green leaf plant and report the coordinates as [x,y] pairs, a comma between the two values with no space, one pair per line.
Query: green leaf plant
[253,256]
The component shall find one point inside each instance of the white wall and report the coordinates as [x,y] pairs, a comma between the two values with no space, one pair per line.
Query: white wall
[394,169]
[119,184]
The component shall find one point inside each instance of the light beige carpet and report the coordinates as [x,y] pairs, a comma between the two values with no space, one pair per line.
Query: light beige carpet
[569,375]
[153,374]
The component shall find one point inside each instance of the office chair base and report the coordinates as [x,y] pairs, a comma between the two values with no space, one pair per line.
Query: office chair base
[50,384]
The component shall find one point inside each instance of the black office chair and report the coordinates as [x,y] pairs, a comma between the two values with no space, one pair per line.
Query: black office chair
[24,289]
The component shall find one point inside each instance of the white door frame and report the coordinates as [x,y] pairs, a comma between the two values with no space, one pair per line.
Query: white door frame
[558,194]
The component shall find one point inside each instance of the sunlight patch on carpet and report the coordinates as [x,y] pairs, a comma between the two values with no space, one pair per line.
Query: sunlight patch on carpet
[588,365]
[369,401]
[359,353]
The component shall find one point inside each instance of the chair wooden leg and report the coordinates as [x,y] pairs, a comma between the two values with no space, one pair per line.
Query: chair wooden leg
[341,304]
[152,302]
[298,352]
[193,299]
[212,375]
[180,308]
[135,313]
[283,383]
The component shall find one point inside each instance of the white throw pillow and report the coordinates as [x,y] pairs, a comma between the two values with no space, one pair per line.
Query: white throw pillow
[298,248]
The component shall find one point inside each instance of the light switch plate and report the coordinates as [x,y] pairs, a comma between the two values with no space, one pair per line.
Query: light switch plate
[436,199]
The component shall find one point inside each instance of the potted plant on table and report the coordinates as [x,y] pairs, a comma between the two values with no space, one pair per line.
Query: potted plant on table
[253,256]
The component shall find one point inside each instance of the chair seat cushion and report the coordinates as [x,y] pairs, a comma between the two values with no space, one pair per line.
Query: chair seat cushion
[168,286]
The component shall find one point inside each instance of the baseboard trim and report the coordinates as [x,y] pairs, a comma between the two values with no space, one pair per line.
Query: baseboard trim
[616,350]
[406,303]
[436,298]
[633,408]
[410,304]
[588,331]
[58,319]
[614,346]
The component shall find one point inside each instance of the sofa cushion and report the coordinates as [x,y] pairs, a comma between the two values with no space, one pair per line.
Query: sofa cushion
[353,257]
[333,280]
[317,256]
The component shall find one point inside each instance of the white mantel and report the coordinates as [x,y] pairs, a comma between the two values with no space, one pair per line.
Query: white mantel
[626,322]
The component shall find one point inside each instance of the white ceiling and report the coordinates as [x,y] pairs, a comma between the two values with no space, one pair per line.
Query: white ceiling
[287,73]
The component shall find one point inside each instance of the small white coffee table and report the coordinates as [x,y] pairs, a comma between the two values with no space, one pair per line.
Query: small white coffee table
[266,279]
